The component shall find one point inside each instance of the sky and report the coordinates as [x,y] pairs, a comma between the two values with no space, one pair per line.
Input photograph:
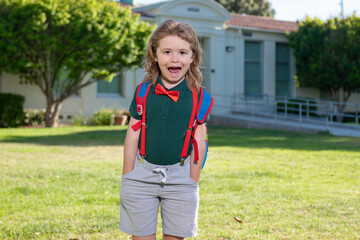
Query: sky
[293,10]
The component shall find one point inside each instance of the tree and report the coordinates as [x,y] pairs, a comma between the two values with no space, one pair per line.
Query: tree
[63,46]
[251,7]
[328,56]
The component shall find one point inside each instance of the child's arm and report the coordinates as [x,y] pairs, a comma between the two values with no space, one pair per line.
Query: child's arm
[130,147]
[195,167]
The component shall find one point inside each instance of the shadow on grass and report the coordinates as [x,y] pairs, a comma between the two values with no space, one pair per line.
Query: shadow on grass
[218,136]
[81,138]
[260,138]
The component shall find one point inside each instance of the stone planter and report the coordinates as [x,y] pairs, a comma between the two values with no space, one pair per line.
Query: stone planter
[120,120]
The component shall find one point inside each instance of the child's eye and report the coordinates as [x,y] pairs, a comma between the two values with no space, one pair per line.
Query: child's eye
[183,52]
[167,52]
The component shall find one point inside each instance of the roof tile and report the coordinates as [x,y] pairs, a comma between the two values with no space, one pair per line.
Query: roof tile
[262,23]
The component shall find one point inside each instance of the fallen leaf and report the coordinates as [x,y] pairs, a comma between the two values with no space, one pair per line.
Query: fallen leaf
[238,220]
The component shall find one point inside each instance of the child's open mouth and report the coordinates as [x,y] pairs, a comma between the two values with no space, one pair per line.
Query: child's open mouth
[174,70]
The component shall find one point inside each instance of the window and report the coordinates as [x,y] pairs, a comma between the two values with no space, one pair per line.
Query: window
[283,77]
[252,68]
[114,88]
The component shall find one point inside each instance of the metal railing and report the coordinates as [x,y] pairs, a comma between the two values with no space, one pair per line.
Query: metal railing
[296,109]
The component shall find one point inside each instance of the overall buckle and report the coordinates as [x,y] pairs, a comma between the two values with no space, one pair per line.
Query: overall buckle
[141,158]
[182,161]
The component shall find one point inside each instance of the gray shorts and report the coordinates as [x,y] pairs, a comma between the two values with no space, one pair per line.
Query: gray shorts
[146,187]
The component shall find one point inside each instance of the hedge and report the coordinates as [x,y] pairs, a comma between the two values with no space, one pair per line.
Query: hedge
[11,109]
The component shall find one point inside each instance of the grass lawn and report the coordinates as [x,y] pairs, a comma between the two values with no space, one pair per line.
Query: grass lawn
[64,184]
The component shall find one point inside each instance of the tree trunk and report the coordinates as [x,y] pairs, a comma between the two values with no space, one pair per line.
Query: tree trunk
[340,112]
[341,107]
[52,114]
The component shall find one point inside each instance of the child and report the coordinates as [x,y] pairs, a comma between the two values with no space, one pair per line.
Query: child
[157,175]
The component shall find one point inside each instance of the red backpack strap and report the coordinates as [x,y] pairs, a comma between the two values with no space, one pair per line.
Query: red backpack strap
[188,130]
[204,108]
[140,102]
[141,97]
[143,122]
[136,126]
[195,144]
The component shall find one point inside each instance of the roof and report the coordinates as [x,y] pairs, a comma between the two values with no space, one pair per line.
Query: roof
[259,22]
[149,10]
[237,20]
[149,7]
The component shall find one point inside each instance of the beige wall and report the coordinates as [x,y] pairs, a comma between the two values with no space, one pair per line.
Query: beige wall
[34,98]
[314,93]
[87,103]
[301,92]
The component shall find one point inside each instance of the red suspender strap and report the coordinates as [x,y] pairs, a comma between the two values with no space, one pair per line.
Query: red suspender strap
[143,124]
[190,125]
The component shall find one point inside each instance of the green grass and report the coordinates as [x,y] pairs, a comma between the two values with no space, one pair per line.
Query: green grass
[64,184]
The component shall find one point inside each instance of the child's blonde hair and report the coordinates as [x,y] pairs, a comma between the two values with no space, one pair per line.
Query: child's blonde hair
[184,31]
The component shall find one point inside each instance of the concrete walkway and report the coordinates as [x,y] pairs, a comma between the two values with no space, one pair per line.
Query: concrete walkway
[245,120]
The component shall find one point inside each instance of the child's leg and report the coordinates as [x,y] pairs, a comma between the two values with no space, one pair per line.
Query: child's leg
[153,237]
[139,202]
[179,203]
[179,211]
[150,237]
[168,237]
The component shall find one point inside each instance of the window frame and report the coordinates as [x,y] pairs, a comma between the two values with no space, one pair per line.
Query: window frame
[260,62]
[283,63]
[121,90]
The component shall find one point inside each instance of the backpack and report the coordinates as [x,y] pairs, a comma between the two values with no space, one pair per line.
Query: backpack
[200,112]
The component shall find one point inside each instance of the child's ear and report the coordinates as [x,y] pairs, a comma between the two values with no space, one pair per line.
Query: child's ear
[192,56]
[155,57]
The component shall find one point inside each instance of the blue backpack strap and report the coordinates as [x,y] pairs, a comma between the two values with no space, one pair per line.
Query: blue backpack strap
[205,105]
[140,95]
[143,88]
[206,150]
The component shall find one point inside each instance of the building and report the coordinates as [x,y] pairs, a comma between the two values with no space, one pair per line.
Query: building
[243,56]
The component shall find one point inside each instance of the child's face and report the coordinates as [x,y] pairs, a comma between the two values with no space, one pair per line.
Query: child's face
[174,57]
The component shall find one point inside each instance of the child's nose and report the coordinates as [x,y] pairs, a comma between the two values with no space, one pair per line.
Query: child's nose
[174,57]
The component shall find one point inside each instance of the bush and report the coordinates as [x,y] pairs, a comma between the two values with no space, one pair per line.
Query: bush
[34,117]
[11,109]
[80,120]
[104,117]
[293,106]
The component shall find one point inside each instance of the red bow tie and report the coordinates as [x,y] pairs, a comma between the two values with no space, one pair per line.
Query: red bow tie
[174,95]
